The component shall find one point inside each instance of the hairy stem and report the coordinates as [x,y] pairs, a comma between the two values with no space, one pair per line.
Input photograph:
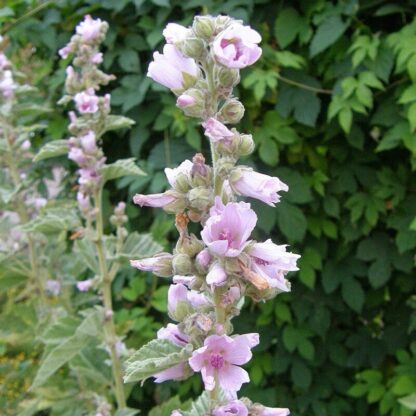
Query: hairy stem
[109,327]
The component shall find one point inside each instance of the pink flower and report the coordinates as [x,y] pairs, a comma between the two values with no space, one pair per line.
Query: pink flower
[160,264]
[234,408]
[89,29]
[172,69]
[84,285]
[216,275]
[257,185]
[269,411]
[179,296]
[183,171]
[175,33]
[77,155]
[65,51]
[185,100]
[216,131]
[226,234]
[218,361]
[172,333]
[83,202]
[88,142]
[272,262]
[178,371]
[4,62]
[203,258]
[97,58]
[86,101]
[153,200]
[236,46]
[7,85]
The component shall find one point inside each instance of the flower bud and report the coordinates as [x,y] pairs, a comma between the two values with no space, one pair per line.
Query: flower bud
[189,245]
[193,48]
[160,264]
[221,22]
[203,259]
[200,198]
[182,264]
[178,305]
[204,26]
[232,111]
[192,102]
[246,145]
[228,77]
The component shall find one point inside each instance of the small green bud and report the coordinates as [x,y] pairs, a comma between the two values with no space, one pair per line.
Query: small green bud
[193,48]
[246,145]
[189,245]
[204,26]
[200,198]
[232,111]
[192,102]
[228,77]
[182,264]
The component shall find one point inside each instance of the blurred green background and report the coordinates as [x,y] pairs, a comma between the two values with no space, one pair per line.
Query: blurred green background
[332,107]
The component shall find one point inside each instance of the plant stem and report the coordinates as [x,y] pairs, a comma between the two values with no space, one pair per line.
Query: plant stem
[109,327]
[24,217]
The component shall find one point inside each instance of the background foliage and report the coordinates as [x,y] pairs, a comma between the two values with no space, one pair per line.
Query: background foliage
[332,106]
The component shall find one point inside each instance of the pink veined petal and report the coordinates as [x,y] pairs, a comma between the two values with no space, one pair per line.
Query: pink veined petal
[174,373]
[238,352]
[276,411]
[207,374]
[217,275]
[197,360]
[232,377]
[219,247]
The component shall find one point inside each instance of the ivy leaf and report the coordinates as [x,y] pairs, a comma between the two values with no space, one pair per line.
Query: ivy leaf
[52,149]
[328,32]
[122,167]
[156,356]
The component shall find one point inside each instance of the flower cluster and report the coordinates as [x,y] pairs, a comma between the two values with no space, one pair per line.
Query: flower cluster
[212,274]
[83,79]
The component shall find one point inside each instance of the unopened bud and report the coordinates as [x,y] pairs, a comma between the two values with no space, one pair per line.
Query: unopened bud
[246,145]
[228,77]
[192,102]
[182,264]
[232,111]
[221,22]
[204,26]
[200,198]
[189,245]
[193,48]
[160,264]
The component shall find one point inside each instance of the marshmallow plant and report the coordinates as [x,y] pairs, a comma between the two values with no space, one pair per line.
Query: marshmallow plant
[214,273]
[20,200]
[97,256]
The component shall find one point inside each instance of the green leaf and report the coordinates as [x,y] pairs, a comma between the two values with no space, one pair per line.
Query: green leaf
[120,168]
[379,272]
[411,115]
[86,251]
[139,246]
[408,95]
[156,356]
[291,220]
[201,406]
[329,31]
[129,60]
[53,221]
[306,349]
[70,347]
[287,26]
[301,375]
[52,149]
[269,153]
[345,119]
[166,408]
[353,294]
[117,122]
[409,401]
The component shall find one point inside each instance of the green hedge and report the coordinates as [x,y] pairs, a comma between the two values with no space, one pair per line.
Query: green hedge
[332,106]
